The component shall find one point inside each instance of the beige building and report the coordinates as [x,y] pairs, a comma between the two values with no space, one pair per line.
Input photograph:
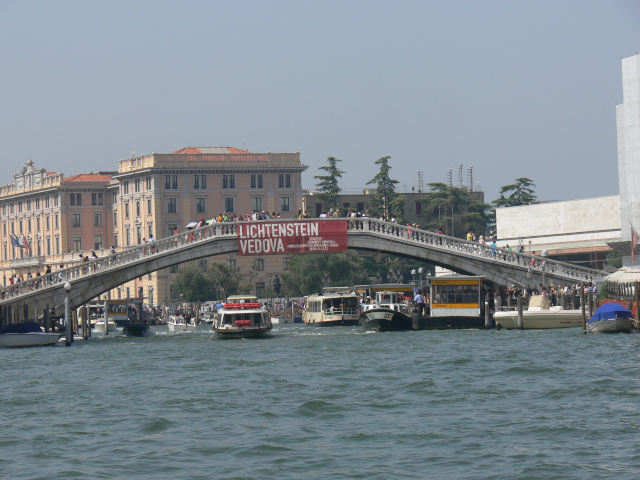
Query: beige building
[157,193]
[54,219]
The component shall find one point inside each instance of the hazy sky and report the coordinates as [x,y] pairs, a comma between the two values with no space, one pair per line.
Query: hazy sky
[516,88]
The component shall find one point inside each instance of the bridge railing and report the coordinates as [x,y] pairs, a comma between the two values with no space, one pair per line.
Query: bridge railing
[476,249]
[121,257]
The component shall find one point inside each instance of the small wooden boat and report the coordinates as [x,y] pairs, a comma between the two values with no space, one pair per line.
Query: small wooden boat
[28,334]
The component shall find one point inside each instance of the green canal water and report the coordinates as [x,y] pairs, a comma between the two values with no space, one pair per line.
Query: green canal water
[324,403]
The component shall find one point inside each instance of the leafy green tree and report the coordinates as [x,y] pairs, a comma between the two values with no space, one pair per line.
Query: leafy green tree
[386,202]
[521,194]
[194,284]
[308,273]
[328,184]
[224,279]
[453,210]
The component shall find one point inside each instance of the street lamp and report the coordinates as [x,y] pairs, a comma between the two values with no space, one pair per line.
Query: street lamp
[67,314]
[413,273]
[421,271]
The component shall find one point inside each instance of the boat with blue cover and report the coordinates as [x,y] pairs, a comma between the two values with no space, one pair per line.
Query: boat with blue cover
[27,334]
[611,317]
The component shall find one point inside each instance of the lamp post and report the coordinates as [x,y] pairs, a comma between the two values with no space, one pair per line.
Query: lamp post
[151,297]
[67,315]
[421,271]
[413,273]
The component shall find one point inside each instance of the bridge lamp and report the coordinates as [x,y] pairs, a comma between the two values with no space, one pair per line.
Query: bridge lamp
[421,271]
[413,273]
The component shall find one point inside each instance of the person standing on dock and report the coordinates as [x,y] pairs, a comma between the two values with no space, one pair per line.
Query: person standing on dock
[419,301]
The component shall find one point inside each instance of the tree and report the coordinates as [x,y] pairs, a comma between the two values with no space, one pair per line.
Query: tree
[453,210]
[328,184]
[194,284]
[386,202]
[309,272]
[224,279]
[522,194]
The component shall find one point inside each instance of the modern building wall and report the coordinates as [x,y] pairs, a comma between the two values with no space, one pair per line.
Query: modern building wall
[628,127]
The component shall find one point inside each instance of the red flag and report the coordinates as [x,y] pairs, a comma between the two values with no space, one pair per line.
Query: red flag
[634,242]
[25,243]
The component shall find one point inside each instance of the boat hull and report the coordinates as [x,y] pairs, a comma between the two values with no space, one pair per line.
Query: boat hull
[340,322]
[385,320]
[242,332]
[539,319]
[33,339]
[611,325]
[136,330]
[181,327]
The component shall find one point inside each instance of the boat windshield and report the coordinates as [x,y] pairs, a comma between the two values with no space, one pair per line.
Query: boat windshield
[341,305]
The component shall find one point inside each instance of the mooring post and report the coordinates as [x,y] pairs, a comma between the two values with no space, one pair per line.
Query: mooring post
[520,315]
[487,313]
[105,315]
[582,306]
[67,320]
[85,335]
[415,320]
[637,322]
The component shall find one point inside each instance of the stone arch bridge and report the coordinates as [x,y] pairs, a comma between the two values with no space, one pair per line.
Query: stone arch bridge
[89,280]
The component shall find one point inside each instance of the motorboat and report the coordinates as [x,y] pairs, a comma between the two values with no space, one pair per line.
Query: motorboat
[28,334]
[611,317]
[387,313]
[539,314]
[242,318]
[179,324]
[98,326]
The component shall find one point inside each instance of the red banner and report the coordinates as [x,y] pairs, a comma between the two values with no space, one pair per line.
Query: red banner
[267,238]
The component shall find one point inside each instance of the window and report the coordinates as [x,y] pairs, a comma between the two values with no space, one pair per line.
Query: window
[256,181]
[260,289]
[136,184]
[200,205]
[203,264]
[171,228]
[47,222]
[37,206]
[126,209]
[285,263]
[97,219]
[114,198]
[11,208]
[77,244]
[48,246]
[37,225]
[72,199]
[174,182]
[97,199]
[167,182]
[55,200]
[285,204]
[173,269]
[228,204]
[127,236]
[137,208]
[147,181]
[125,187]
[232,263]
[150,230]
[75,220]
[172,205]
[57,245]
[284,180]
[148,206]
[97,242]
[28,205]
[115,239]
[28,225]
[19,207]
[228,181]
[139,235]
[55,221]
[20,226]
[259,263]
[199,181]
[115,219]
[46,203]
[256,204]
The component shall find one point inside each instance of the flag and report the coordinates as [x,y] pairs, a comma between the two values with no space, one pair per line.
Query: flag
[634,242]
[25,244]
[16,242]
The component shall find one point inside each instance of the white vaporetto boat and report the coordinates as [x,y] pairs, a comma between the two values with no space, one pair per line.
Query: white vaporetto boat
[242,317]
[332,309]
[386,314]
[27,334]
[539,315]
